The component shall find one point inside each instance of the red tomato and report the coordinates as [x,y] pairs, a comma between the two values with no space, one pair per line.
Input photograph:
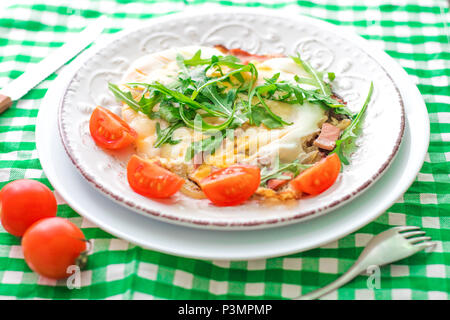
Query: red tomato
[109,131]
[24,202]
[151,180]
[51,245]
[231,186]
[319,177]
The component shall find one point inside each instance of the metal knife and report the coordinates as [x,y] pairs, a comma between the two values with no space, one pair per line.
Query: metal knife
[40,71]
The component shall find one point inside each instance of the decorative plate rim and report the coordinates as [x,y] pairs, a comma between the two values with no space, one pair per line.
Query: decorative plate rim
[274,222]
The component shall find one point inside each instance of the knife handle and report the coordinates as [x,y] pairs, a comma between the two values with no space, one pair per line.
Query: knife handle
[5,103]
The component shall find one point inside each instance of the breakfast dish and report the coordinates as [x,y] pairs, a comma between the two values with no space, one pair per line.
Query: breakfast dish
[375,139]
[228,125]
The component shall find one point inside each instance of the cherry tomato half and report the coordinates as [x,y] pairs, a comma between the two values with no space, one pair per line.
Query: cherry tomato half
[51,245]
[24,202]
[151,180]
[109,131]
[319,177]
[231,186]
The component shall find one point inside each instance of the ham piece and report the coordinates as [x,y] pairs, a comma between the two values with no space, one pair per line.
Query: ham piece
[276,184]
[327,137]
[245,56]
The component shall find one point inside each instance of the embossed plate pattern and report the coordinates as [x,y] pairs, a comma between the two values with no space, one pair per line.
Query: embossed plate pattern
[256,31]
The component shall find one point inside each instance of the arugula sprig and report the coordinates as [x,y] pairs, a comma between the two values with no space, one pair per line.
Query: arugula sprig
[207,145]
[316,76]
[194,96]
[180,97]
[346,143]
[165,135]
[277,171]
[144,105]
[197,60]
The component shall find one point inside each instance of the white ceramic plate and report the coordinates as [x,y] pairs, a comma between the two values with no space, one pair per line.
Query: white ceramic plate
[259,31]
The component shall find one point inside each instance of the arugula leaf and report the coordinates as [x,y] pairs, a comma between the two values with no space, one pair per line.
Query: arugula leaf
[167,111]
[302,80]
[259,115]
[224,103]
[257,92]
[278,170]
[222,78]
[331,76]
[324,88]
[144,105]
[165,135]
[346,143]
[204,126]
[180,97]
[196,60]
[124,96]
[269,111]
[207,145]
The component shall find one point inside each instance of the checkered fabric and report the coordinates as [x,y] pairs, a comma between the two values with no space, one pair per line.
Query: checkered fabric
[415,33]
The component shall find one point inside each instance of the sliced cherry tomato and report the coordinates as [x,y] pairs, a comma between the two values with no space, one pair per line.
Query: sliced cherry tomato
[23,202]
[151,180]
[109,131]
[51,245]
[319,177]
[231,186]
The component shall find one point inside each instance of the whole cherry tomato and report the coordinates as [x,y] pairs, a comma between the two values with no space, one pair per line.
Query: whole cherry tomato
[24,202]
[51,245]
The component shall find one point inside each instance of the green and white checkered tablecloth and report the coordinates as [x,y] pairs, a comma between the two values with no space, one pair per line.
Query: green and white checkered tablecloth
[415,33]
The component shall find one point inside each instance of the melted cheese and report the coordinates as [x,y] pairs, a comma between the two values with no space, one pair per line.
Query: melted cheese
[251,143]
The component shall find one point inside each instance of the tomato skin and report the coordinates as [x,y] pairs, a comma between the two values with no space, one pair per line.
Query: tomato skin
[319,177]
[24,202]
[231,186]
[51,245]
[109,131]
[151,180]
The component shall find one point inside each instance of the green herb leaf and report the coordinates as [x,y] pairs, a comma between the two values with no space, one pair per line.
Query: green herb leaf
[277,171]
[220,79]
[346,144]
[144,105]
[196,60]
[331,76]
[165,135]
[207,145]
[314,74]
[180,98]
[259,115]
[124,96]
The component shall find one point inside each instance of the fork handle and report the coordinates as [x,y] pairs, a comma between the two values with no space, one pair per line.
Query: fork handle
[351,273]
[5,103]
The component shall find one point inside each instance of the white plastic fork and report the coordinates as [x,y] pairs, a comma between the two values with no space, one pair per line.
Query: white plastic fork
[389,246]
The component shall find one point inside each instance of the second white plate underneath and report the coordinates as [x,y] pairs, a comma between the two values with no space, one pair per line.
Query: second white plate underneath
[231,245]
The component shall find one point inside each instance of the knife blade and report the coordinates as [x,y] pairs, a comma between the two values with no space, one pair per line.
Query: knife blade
[40,71]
